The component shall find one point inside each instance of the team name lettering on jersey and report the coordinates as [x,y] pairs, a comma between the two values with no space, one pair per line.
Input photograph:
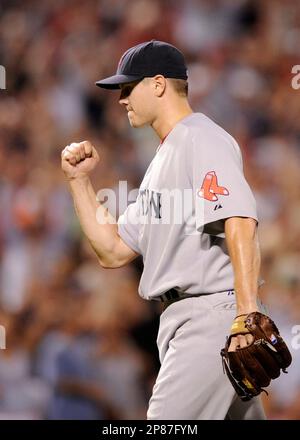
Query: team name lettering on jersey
[151,200]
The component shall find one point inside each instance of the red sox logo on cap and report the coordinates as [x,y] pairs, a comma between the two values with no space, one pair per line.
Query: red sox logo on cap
[210,188]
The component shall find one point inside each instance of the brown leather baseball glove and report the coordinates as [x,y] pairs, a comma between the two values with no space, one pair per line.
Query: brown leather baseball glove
[251,368]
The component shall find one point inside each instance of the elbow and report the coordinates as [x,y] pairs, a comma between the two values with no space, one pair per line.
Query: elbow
[107,259]
[104,264]
[109,263]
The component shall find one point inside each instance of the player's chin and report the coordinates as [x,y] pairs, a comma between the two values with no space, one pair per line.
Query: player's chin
[135,121]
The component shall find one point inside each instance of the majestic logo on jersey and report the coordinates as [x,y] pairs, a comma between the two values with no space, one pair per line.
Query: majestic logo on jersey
[218,207]
[210,188]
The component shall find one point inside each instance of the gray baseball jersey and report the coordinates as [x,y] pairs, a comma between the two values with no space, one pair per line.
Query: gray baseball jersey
[193,183]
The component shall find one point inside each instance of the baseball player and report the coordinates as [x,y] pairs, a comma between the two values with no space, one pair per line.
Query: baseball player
[203,267]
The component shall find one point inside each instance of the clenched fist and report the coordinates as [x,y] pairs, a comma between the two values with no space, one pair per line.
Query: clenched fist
[79,159]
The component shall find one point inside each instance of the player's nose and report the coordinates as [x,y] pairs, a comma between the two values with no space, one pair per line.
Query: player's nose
[123,101]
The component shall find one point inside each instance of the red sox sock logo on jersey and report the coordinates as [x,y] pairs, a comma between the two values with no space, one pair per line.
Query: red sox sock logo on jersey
[210,188]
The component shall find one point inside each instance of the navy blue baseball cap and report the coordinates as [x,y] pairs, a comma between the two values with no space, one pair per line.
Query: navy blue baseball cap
[146,60]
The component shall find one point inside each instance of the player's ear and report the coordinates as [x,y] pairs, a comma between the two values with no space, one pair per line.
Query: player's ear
[159,84]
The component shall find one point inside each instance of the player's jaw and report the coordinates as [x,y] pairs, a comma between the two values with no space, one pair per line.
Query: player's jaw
[133,98]
[136,119]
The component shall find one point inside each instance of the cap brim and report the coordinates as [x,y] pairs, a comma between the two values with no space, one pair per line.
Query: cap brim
[113,82]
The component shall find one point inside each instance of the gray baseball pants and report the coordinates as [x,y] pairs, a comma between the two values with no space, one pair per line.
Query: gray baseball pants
[191,384]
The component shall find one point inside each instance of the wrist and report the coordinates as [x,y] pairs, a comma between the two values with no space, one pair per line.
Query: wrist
[241,317]
[244,311]
[79,179]
[79,185]
[246,303]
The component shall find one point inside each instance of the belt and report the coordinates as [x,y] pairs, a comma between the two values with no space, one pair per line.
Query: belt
[173,295]
[169,295]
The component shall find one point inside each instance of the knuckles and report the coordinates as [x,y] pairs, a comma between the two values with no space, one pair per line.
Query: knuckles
[77,148]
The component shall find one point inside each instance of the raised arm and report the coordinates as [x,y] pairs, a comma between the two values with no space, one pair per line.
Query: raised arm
[78,160]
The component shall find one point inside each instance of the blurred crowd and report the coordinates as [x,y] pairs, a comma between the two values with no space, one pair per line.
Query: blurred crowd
[80,342]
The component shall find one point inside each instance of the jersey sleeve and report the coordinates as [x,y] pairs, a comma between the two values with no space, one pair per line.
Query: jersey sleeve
[219,185]
[128,226]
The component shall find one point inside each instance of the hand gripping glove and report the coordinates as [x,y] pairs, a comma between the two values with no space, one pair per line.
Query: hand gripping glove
[251,368]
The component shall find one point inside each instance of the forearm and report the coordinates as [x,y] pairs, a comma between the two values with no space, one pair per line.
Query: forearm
[243,247]
[96,222]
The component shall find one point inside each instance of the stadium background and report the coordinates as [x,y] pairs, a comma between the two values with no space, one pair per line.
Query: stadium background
[80,342]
